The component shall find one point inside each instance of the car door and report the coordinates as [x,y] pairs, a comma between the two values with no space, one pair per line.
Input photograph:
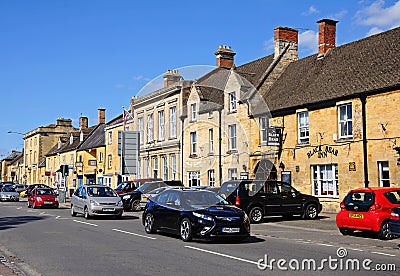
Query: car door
[79,199]
[159,210]
[172,210]
[272,198]
[291,199]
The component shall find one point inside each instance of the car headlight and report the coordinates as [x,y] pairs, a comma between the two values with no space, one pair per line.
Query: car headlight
[126,197]
[93,202]
[202,216]
[120,203]
[38,198]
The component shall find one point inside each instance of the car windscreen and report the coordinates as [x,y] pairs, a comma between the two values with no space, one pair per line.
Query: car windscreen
[202,199]
[101,192]
[8,189]
[359,201]
[45,192]
[147,187]
[121,186]
[228,187]
[393,197]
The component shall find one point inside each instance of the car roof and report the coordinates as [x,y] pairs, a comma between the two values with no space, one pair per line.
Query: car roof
[95,185]
[375,189]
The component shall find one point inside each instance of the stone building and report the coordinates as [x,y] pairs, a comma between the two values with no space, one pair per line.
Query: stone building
[337,113]
[12,167]
[156,117]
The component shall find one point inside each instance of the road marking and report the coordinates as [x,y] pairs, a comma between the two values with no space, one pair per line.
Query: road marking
[384,254]
[355,249]
[130,233]
[31,211]
[87,223]
[222,255]
[42,213]
[19,208]
[324,244]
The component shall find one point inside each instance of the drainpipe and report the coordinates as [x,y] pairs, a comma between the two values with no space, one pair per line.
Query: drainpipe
[365,148]
[220,145]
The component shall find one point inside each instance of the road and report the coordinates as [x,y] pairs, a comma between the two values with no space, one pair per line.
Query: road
[51,242]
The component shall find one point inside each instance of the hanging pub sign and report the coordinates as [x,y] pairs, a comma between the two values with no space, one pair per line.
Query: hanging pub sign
[92,162]
[78,164]
[274,136]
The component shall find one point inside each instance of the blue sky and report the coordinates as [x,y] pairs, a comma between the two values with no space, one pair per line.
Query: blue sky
[64,58]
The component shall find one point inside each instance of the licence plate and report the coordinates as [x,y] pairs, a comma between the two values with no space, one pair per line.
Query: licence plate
[357,216]
[108,209]
[230,230]
[48,202]
[144,198]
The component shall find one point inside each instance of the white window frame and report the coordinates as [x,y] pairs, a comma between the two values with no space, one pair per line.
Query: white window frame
[173,166]
[193,178]
[110,140]
[193,111]
[232,174]
[147,168]
[232,137]
[110,161]
[150,128]
[232,101]
[303,127]
[172,122]
[211,140]
[140,129]
[165,167]
[193,142]
[383,167]
[211,178]
[155,167]
[345,122]
[101,157]
[263,130]
[325,180]
[161,125]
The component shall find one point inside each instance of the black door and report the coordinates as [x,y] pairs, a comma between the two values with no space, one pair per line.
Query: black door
[272,198]
[291,199]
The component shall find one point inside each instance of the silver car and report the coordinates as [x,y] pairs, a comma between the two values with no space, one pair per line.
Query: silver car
[8,193]
[96,200]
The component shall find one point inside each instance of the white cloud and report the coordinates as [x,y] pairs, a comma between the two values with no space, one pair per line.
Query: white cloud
[269,45]
[139,78]
[379,17]
[119,86]
[374,30]
[309,40]
[311,10]
[339,14]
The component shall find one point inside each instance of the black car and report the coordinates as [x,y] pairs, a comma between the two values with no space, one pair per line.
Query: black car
[263,198]
[195,214]
[131,200]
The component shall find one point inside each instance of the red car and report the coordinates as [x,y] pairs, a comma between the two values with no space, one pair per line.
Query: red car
[43,197]
[368,209]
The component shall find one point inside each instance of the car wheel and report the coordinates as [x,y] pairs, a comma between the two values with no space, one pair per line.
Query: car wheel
[186,230]
[73,213]
[86,213]
[135,206]
[311,212]
[256,215]
[346,231]
[149,224]
[384,232]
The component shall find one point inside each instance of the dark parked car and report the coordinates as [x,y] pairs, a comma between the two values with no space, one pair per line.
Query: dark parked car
[195,214]
[131,200]
[264,198]
[125,187]
[394,222]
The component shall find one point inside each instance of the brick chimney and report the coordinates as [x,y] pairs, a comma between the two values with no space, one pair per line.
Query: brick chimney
[225,56]
[171,77]
[83,122]
[326,36]
[64,122]
[101,116]
[283,37]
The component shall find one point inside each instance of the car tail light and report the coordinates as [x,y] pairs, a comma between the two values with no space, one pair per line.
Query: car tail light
[394,216]
[375,207]
[342,205]
[237,201]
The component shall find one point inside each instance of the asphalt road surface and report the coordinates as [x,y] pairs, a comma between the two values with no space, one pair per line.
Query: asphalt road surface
[51,242]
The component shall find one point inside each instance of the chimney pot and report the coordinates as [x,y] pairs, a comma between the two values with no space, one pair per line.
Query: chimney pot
[83,122]
[284,36]
[225,56]
[171,77]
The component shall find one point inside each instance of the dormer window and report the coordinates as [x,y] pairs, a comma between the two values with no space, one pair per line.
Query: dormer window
[193,108]
[59,144]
